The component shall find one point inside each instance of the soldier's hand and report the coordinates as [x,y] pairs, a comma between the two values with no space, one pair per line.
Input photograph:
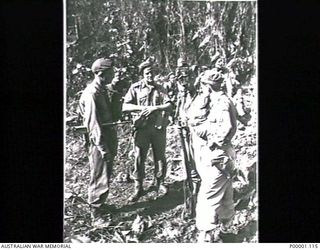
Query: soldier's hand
[148,110]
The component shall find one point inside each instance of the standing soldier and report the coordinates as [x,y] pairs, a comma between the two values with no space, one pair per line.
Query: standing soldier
[184,90]
[212,118]
[148,101]
[96,109]
[185,95]
[171,89]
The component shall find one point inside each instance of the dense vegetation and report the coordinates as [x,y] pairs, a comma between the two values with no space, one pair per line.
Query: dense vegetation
[132,30]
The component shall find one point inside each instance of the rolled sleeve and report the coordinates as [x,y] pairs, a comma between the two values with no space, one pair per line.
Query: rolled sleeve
[131,96]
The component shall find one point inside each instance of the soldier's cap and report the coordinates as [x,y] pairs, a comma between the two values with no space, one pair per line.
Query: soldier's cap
[144,65]
[181,62]
[212,76]
[101,64]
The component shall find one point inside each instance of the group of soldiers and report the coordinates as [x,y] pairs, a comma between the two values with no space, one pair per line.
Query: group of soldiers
[204,107]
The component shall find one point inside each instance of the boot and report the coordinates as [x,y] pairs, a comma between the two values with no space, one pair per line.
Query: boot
[226,226]
[100,219]
[161,188]
[204,237]
[137,191]
[210,236]
[154,184]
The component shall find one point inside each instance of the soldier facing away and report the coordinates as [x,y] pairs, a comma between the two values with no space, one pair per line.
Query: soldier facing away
[212,120]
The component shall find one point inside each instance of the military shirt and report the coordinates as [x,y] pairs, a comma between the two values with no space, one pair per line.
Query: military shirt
[143,94]
[95,108]
[183,101]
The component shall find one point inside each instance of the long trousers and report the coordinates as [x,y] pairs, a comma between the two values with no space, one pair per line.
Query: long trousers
[100,171]
[143,139]
[215,196]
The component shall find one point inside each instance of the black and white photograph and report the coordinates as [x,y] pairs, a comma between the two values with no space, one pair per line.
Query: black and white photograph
[160,121]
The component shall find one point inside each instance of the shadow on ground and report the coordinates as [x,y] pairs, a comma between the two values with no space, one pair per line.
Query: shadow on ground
[152,206]
[149,206]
